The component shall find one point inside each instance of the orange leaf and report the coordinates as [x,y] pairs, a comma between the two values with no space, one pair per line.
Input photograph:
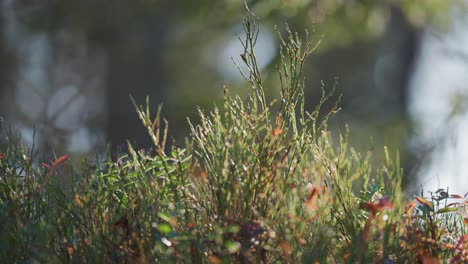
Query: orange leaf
[190,225]
[314,193]
[60,160]
[425,202]
[346,256]
[409,209]
[276,131]
[78,200]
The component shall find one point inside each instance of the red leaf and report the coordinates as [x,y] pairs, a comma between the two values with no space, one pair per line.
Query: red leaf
[454,204]
[1,156]
[60,160]
[382,204]
[70,249]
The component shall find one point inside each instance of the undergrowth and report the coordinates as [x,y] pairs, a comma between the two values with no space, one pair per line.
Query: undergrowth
[257,181]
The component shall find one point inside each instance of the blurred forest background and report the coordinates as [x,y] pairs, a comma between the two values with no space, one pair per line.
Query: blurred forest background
[68,67]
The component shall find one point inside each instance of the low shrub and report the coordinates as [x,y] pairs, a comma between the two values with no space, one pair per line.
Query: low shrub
[257,181]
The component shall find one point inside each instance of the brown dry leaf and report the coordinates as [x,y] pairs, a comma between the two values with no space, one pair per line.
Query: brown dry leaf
[429,260]
[286,246]
[214,260]
[346,256]
[200,174]
[174,222]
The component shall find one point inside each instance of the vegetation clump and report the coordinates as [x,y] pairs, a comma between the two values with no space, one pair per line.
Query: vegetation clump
[258,181]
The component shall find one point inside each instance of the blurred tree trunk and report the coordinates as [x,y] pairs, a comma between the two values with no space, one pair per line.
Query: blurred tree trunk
[135,68]
[56,87]
[438,106]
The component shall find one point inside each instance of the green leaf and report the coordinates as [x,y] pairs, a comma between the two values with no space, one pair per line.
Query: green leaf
[164,217]
[232,246]
[447,210]
[165,228]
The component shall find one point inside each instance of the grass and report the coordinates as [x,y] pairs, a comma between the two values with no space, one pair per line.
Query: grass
[257,181]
